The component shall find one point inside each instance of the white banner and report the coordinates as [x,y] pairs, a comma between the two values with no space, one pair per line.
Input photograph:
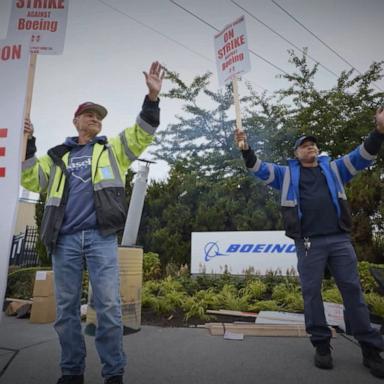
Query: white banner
[14,60]
[43,21]
[238,252]
[231,51]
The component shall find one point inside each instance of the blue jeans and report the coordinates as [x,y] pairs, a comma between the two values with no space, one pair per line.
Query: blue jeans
[337,252]
[100,254]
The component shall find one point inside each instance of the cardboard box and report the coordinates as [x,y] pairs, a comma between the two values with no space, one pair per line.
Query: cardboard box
[44,285]
[15,306]
[43,310]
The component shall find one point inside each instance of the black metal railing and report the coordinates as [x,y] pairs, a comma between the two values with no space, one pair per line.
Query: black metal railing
[23,250]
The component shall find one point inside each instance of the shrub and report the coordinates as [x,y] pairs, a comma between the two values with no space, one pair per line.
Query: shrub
[20,282]
[151,266]
[264,305]
[197,305]
[165,296]
[367,281]
[228,298]
[375,303]
[293,302]
[254,289]
[172,269]
[332,295]
[288,296]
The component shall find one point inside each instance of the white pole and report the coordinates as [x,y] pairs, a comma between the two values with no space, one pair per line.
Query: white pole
[135,207]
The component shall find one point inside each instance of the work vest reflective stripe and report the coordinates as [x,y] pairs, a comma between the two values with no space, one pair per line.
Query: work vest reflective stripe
[145,126]
[53,201]
[30,163]
[365,154]
[271,174]
[116,181]
[131,156]
[347,162]
[284,191]
[340,190]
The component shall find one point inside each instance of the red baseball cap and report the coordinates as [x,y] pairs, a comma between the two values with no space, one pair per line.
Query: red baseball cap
[89,106]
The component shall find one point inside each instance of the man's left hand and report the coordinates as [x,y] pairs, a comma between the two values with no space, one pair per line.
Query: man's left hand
[380,120]
[154,80]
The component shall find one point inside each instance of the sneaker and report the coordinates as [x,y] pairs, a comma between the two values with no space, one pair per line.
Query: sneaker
[323,357]
[114,380]
[71,379]
[373,361]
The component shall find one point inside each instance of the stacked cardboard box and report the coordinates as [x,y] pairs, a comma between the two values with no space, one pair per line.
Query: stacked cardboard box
[44,304]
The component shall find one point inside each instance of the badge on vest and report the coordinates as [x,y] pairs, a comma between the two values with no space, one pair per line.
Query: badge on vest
[106,172]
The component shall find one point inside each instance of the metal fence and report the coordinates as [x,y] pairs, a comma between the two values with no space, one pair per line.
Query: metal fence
[23,250]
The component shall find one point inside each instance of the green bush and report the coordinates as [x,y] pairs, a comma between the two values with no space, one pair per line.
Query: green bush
[151,266]
[20,282]
[190,285]
[293,302]
[254,289]
[197,305]
[332,295]
[229,298]
[367,281]
[288,296]
[164,296]
[375,303]
[264,305]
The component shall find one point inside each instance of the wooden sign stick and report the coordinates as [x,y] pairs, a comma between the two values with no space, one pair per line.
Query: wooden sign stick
[28,99]
[239,125]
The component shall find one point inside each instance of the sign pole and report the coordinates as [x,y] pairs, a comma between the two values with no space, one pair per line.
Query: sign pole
[28,98]
[236,99]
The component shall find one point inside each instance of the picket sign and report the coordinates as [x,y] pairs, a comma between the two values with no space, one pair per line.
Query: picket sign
[43,24]
[232,59]
[14,55]
[35,27]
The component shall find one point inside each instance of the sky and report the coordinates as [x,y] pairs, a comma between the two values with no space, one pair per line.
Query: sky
[109,43]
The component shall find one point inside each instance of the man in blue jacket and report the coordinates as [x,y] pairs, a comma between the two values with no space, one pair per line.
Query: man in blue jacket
[316,215]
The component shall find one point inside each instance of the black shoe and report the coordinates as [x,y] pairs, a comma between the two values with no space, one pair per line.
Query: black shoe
[373,361]
[71,379]
[323,357]
[114,380]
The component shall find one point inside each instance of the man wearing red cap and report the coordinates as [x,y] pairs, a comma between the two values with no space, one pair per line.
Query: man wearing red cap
[317,216]
[84,180]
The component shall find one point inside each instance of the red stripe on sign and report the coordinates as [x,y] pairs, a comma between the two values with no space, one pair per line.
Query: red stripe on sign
[2,151]
[3,132]
[2,172]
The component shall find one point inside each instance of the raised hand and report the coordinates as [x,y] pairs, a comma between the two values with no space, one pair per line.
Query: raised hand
[241,139]
[28,128]
[380,119]
[154,80]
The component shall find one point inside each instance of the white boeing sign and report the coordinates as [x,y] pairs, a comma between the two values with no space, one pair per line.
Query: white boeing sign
[238,252]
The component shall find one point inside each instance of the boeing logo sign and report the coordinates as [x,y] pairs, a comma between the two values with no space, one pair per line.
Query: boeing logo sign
[237,252]
[212,249]
[262,248]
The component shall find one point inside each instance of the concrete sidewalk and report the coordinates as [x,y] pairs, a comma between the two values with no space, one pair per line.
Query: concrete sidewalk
[30,355]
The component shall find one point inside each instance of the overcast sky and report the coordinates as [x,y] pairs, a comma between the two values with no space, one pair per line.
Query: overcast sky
[108,47]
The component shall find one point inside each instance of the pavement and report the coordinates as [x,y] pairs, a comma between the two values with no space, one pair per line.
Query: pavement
[29,354]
